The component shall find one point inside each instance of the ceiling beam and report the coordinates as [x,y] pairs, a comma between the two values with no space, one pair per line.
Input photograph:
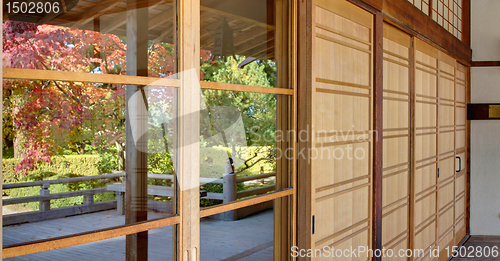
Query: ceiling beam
[249,11]
[118,21]
[163,35]
[249,35]
[95,11]
[121,19]
[252,44]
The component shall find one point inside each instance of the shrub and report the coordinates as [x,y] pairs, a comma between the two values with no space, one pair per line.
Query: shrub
[85,165]
[66,166]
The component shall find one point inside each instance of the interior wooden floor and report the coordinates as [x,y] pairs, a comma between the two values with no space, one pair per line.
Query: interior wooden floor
[247,239]
[479,243]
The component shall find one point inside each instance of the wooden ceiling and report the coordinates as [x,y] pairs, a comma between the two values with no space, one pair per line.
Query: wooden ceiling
[251,20]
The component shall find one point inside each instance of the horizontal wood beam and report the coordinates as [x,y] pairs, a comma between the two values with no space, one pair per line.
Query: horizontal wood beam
[483,111]
[85,237]
[244,88]
[65,76]
[407,17]
[255,191]
[49,75]
[208,211]
[63,181]
[484,63]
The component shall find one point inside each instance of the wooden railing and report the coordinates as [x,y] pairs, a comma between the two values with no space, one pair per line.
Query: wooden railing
[45,212]
[88,205]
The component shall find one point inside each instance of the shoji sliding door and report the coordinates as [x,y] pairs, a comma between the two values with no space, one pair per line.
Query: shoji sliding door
[423,139]
[460,151]
[446,149]
[396,141]
[342,121]
[425,149]
[440,151]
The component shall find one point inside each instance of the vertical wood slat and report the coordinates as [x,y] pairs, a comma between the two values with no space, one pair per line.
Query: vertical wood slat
[467,135]
[378,55]
[413,130]
[282,207]
[188,152]
[294,81]
[466,36]
[137,118]
[1,134]
[304,106]
[438,159]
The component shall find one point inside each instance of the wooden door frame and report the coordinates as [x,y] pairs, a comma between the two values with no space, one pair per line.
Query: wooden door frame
[188,213]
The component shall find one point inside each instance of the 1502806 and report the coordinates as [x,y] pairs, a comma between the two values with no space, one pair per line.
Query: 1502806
[32,7]
[473,252]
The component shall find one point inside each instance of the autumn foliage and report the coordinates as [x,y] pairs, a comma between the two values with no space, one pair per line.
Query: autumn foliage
[45,117]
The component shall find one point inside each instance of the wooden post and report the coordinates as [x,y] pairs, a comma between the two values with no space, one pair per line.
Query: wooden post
[304,92]
[136,119]
[378,53]
[229,190]
[45,204]
[188,131]
[88,199]
[279,14]
[120,202]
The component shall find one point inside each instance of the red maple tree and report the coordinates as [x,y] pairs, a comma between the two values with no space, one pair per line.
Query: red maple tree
[52,115]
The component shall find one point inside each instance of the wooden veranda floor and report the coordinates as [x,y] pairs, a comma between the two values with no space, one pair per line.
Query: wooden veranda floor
[247,239]
[482,242]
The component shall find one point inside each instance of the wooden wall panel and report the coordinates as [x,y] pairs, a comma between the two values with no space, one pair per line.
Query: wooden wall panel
[396,141]
[342,121]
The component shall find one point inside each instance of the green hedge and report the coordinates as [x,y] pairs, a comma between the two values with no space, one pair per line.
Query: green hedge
[63,167]
[84,165]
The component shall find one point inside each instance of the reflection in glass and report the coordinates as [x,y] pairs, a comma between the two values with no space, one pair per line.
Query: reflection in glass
[237,42]
[238,135]
[55,129]
[97,45]
[74,148]
[160,240]
[250,238]
[239,45]
[238,161]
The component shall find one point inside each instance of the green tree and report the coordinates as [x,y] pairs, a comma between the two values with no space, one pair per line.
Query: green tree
[258,110]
